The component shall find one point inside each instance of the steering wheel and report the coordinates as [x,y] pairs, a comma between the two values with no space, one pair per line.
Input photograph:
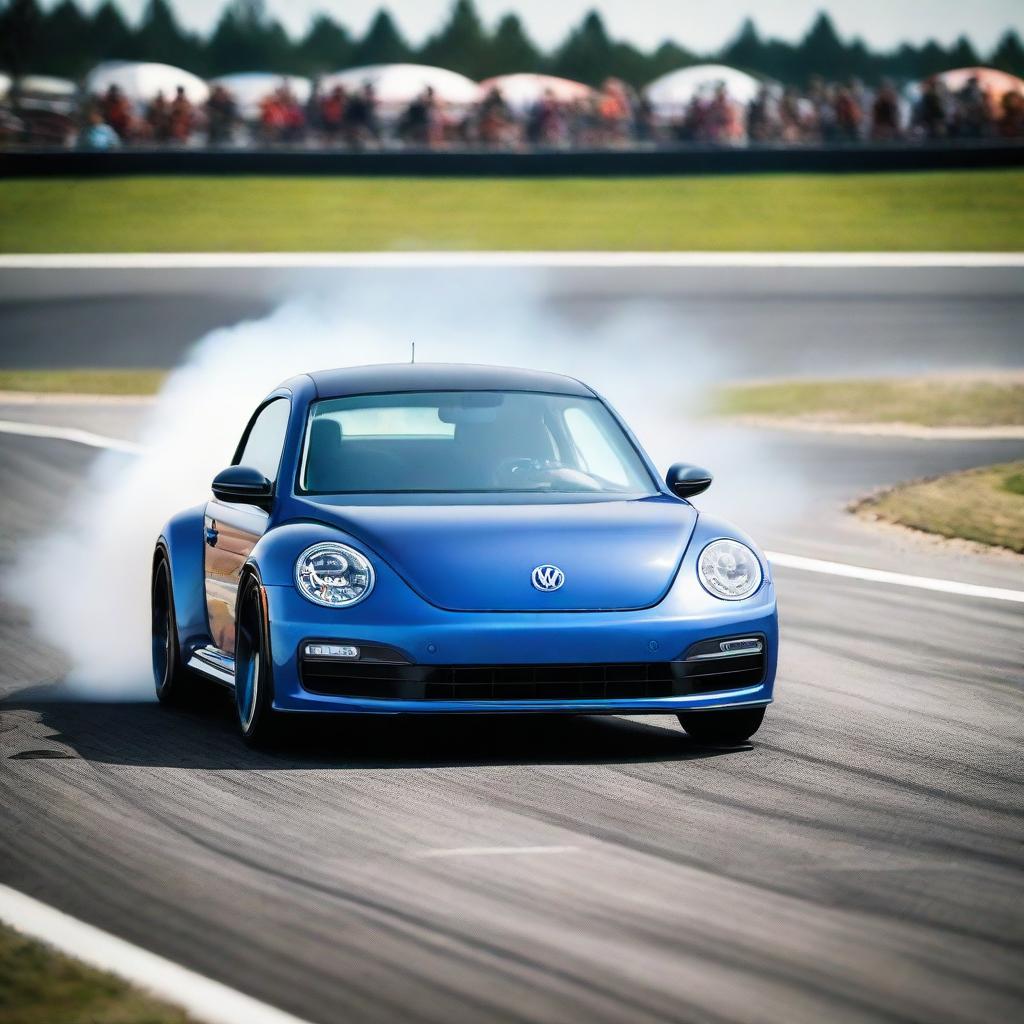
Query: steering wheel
[516,470]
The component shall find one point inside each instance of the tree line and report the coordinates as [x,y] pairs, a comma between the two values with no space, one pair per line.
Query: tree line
[64,40]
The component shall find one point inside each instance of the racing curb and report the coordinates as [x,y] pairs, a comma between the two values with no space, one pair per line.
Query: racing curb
[207,1000]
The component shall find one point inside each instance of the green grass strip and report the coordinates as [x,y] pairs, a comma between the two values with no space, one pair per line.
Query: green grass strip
[84,382]
[982,505]
[38,985]
[956,211]
[967,401]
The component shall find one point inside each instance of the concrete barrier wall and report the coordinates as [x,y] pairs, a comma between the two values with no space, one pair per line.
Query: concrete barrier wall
[469,163]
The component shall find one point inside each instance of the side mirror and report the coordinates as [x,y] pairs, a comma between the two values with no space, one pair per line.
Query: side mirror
[686,480]
[242,485]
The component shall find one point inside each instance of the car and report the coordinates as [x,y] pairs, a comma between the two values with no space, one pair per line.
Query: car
[454,539]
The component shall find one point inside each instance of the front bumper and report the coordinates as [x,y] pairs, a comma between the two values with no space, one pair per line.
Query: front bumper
[430,637]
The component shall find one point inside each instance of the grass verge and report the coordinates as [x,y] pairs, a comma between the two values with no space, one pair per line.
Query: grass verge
[933,210]
[983,505]
[84,382]
[964,401]
[41,986]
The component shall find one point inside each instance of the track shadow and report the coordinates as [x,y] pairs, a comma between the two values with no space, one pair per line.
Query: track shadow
[144,734]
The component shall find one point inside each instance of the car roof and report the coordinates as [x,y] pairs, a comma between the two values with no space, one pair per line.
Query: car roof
[390,377]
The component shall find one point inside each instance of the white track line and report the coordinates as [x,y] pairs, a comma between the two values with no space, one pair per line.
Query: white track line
[72,434]
[417,260]
[778,558]
[896,579]
[207,1000]
[496,851]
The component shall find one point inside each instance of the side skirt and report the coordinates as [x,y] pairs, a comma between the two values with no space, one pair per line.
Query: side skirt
[214,664]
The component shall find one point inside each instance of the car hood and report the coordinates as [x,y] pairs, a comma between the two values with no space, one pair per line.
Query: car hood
[615,555]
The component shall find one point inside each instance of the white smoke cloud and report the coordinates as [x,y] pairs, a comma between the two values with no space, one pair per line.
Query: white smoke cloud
[99,614]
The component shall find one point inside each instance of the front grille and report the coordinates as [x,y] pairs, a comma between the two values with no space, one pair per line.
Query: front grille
[613,681]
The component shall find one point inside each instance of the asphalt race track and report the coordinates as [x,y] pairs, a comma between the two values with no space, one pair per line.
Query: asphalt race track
[779,321]
[860,860]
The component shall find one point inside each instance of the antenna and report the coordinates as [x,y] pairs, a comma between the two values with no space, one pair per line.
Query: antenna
[413,359]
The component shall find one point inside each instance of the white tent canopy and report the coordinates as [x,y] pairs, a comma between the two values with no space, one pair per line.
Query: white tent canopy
[399,84]
[250,88]
[140,82]
[522,91]
[48,86]
[672,93]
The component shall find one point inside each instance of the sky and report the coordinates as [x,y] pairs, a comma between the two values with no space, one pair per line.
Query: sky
[701,25]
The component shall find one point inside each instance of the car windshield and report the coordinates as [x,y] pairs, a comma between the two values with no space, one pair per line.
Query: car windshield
[469,442]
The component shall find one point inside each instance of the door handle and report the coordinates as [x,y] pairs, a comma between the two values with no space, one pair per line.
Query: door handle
[211,536]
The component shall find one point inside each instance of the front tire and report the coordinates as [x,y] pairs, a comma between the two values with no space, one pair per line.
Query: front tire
[175,685]
[259,724]
[722,728]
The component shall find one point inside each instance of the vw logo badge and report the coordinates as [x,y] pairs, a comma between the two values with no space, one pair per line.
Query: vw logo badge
[547,577]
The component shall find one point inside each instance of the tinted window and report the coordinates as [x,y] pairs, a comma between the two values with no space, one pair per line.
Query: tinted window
[265,442]
[476,441]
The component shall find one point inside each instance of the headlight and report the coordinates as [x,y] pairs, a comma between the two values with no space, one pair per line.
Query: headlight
[729,570]
[333,575]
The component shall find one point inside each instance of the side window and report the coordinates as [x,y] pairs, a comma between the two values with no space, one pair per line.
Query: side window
[265,442]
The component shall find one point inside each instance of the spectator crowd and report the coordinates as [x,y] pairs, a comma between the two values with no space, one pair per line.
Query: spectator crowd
[613,116]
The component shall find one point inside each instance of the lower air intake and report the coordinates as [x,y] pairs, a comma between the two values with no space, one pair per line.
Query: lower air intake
[611,681]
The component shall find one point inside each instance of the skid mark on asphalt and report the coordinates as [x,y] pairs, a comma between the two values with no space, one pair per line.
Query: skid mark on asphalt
[496,851]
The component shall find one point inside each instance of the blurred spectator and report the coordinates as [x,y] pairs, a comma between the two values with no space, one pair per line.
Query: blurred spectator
[221,116]
[158,119]
[644,129]
[117,112]
[294,116]
[792,126]
[821,101]
[848,115]
[932,115]
[421,124]
[973,111]
[97,134]
[614,112]
[885,114]
[1011,119]
[546,125]
[360,119]
[282,119]
[723,124]
[332,115]
[182,117]
[495,121]
[762,117]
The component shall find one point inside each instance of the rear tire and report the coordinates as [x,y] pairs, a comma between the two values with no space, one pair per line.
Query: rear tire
[258,722]
[722,728]
[175,685]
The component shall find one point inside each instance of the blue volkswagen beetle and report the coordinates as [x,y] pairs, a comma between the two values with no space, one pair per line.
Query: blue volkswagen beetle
[439,539]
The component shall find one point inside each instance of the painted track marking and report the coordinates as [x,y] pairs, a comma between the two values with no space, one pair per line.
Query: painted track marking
[896,579]
[72,434]
[777,558]
[207,1000]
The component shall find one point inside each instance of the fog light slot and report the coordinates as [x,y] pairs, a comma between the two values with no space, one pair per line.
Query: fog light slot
[749,645]
[735,647]
[344,651]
